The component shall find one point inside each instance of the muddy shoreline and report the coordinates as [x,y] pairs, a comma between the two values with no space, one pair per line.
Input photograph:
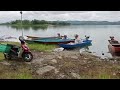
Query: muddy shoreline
[63,65]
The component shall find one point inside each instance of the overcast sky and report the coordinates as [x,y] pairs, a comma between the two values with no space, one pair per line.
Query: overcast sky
[6,16]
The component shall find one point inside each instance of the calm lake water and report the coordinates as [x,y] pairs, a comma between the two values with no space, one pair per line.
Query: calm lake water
[98,33]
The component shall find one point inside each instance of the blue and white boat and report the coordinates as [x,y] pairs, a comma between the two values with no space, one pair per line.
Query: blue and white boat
[73,45]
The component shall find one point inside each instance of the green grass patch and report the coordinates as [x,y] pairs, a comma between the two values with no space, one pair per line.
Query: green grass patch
[104,76]
[23,76]
[35,46]
[41,47]
[13,75]
[1,56]
[22,71]
[14,43]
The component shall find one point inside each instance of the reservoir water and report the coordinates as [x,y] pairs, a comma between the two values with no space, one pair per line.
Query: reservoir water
[98,33]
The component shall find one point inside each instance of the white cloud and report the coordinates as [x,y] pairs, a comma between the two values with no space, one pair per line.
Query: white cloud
[6,16]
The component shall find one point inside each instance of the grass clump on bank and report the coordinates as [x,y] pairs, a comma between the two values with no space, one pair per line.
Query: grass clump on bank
[41,47]
[8,42]
[22,71]
[1,57]
[35,46]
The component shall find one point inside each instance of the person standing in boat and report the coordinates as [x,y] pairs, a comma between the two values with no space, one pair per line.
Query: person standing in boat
[64,37]
[77,39]
[58,35]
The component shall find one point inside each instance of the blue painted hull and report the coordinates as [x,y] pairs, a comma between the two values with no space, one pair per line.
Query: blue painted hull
[69,46]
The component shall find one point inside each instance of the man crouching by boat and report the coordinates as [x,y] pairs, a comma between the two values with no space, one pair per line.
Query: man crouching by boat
[77,39]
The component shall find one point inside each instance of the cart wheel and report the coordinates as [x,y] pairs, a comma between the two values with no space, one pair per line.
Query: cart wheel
[7,56]
[27,57]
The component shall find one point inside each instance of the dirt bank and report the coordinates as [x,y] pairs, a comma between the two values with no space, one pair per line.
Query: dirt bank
[61,65]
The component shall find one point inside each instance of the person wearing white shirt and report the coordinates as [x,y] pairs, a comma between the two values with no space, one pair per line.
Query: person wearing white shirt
[77,39]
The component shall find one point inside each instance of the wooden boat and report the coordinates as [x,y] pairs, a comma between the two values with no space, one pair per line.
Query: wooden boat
[50,41]
[33,37]
[115,54]
[73,45]
[114,46]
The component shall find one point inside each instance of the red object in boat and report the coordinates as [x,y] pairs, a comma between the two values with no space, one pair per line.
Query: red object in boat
[114,46]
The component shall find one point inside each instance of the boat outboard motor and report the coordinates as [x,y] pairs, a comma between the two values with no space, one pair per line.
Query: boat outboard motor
[87,37]
[112,37]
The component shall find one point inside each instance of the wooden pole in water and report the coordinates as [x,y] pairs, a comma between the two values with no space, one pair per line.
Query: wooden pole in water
[21,22]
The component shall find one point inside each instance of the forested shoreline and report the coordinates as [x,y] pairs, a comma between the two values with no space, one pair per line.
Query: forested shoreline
[44,22]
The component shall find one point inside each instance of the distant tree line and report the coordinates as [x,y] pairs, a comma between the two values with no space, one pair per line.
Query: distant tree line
[93,23]
[59,23]
[100,23]
[43,22]
[36,22]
